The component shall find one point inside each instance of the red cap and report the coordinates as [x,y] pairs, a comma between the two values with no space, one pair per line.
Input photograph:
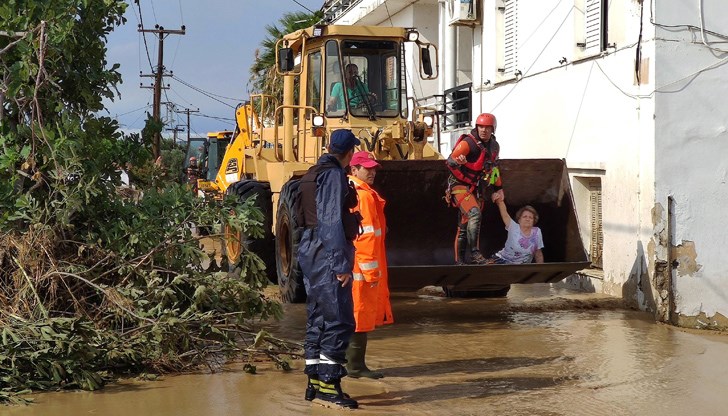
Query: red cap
[364,159]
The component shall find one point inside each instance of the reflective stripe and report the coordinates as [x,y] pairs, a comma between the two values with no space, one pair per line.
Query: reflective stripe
[369,229]
[312,361]
[369,266]
[326,360]
[358,276]
[327,388]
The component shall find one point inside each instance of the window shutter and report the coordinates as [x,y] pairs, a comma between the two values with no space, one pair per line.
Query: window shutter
[597,239]
[511,36]
[593,26]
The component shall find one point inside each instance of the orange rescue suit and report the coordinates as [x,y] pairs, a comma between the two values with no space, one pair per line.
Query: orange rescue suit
[371,287]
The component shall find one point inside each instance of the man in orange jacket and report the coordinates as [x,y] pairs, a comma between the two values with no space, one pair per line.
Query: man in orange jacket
[370,289]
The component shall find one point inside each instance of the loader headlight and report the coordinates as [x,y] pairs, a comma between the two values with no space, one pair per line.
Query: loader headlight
[429,121]
[317,120]
[317,125]
[412,35]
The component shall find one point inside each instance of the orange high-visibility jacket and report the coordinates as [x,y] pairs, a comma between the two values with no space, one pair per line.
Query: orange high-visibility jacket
[371,287]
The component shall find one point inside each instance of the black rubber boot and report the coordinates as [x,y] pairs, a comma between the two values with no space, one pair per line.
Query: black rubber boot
[312,387]
[461,241]
[330,395]
[355,357]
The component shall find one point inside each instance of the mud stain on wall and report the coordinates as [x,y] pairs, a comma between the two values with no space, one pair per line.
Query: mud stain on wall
[659,268]
[685,258]
[717,322]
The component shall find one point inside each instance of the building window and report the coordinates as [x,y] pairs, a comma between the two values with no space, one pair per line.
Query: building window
[508,59]
[588,201]
[597,236]
[592,20]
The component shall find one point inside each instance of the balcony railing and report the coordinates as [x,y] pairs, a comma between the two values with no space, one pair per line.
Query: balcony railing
[458,107]
[334,8]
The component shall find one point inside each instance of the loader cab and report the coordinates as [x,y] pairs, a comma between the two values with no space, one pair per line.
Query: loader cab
[364,78]
[195,149]
[209,152]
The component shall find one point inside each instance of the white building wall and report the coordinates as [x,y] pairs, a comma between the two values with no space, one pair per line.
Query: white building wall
[657,145]
[587,112]
[691,123]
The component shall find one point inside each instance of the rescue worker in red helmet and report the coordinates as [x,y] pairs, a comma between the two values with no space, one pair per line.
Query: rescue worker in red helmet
[473,166]
[192,173]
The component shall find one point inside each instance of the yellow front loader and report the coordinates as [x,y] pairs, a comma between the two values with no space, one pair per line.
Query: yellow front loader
[275,143]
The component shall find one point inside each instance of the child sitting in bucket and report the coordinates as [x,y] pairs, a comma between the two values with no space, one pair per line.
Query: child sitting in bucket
[524,241]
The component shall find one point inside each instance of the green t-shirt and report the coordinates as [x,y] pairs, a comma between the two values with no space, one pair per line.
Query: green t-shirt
[356,94]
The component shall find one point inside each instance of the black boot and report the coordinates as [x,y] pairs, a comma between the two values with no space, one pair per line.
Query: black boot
[311,388]
[477,258]
[355,357]
[461,242]
[330,395]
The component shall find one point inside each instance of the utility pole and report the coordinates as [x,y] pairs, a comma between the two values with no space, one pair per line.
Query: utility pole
[188,111]
[174,131]
[161,32]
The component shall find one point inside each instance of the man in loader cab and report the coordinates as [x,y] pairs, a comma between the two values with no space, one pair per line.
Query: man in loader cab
[326,256]
[473,167]
[356,90]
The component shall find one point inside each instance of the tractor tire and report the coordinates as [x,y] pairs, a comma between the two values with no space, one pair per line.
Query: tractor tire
[288,237]
[495,293]
[264,247]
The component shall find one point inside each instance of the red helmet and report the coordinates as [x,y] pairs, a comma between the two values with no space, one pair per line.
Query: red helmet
[486,119]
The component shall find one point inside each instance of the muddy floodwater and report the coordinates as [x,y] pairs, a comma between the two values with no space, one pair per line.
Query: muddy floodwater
[541,351]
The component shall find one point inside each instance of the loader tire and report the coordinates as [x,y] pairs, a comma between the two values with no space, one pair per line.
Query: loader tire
[235,242]
[495,293]
[288,237]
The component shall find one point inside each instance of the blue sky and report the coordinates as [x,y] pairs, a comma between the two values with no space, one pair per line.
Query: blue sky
[213,56]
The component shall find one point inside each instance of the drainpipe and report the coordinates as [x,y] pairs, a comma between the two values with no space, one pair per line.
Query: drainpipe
[450,49]
[442,24]
[671,262]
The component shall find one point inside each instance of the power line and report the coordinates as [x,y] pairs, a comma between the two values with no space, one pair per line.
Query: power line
[154,12]
[139,46]
[141,26]
[176,49]
[183,98]
[137,119]
[309,10]
[181,17]
[158,76]
[215,117]
[205,93]
[133,111]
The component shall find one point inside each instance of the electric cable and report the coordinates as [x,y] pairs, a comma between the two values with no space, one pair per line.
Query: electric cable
[154,12]
[146,47]
[525,73]
[298,3]
[132,111]
[206,93]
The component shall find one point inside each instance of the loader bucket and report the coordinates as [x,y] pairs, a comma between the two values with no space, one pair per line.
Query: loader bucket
[421,227]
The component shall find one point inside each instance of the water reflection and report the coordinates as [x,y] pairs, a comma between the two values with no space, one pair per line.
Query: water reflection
[542,351]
